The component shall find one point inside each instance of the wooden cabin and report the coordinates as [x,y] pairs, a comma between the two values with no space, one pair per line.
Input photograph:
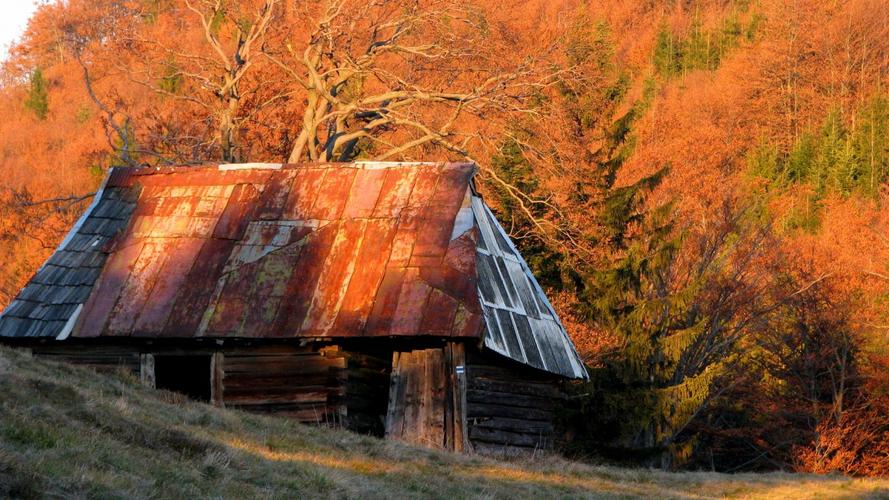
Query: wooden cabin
[382,297]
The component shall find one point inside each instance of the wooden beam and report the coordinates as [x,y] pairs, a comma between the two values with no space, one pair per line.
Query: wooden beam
[456,365]
[217,374]
[395,410]
[146,369]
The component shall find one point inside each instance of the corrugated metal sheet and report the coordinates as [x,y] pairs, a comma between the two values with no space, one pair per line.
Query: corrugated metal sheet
[521,323]
[332,250]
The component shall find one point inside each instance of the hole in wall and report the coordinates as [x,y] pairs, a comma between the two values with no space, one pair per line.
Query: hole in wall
[188,375]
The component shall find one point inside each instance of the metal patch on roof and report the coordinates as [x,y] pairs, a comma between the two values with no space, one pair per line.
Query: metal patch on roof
[69,323]
[465,220]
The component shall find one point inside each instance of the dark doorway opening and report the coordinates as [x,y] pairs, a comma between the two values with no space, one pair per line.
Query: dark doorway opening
[189,375]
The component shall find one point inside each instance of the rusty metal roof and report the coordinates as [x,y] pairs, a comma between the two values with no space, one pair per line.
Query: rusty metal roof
[310,250]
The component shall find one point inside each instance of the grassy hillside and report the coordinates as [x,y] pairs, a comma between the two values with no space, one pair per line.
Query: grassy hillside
[65,431]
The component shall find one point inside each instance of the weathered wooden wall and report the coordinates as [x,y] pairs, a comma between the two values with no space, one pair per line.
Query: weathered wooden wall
[102,358]
[442,397]
[328,385]
[510,409]
[318,383]
[416,397]
[302,383]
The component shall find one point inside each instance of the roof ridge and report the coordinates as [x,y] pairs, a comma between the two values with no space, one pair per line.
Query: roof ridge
[263,166]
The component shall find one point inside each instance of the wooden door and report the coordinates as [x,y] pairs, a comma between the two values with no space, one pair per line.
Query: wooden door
[427,397]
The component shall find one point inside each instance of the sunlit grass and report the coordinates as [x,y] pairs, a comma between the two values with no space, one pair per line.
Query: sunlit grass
[65,431]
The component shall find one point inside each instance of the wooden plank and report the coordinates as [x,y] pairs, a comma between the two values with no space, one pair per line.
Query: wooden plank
[281,390]
[435,369]
[301,357]
[512,387]
[451,416]
[217,374]
[461,434]
[146,370]
[426,417]
[507,399]
[541,427]
[306,366]
[422,395]
[412,365]
[264,381]
[268,350]
[267,398]
[285,407]
[401,404]
[395,409]
[488,410]
[499,372]
[508,438]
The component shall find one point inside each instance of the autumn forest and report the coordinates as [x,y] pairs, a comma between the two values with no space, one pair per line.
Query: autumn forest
[700,185]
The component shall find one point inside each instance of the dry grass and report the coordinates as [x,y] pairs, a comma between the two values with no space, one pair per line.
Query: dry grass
[65,431]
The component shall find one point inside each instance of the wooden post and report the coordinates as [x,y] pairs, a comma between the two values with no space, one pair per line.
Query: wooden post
[455,420]
[146,369]
[395,409]
[217,373]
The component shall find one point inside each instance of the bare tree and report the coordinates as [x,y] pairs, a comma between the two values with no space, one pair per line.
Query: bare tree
[113,120]
[381,78]
[233,43]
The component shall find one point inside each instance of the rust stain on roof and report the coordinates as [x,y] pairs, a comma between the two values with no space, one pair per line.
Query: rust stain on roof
[304,251]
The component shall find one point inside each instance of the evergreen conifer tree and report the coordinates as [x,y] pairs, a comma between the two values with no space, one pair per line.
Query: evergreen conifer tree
[38,97]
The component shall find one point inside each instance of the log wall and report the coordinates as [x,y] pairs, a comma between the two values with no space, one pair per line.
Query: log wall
[441,397]
[302,383]
[315,384]
[102,358]
[510,409]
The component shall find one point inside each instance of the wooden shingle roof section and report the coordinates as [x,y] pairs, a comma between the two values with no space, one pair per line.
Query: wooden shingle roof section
[292,251]
[521,323]
[51,300]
